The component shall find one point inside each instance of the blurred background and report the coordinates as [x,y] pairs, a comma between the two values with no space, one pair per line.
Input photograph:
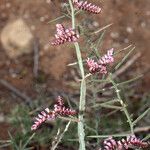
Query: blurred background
[31,70]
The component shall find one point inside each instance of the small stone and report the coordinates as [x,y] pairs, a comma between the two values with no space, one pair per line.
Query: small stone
[143,24]
[95,24]
[32,27]
[48,1]
[8,5]
[114,35]
[3,15]
[42,19]
[148,13]
[116,45]
[16,38]
[129,30]
[126,40]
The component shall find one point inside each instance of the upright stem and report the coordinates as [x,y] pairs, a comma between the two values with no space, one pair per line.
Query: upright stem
[81,133]
[72,14]
[123,105]
[80,61]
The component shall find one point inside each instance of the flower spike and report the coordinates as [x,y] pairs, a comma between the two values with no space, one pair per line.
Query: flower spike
[92,65]
[59,110]
[42,117]
[64,35]
[107,58]
[124,144]
[100,66]
[84,5]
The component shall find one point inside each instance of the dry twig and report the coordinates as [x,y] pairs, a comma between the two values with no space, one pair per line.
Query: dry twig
[15,91]
[126,66]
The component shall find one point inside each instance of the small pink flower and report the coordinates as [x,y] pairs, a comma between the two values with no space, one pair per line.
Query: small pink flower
[134,141]
[60,101]
[92,65]
[107,58]
[102,69]
[64,35]
[60,29]
[59,109]
[84,5]
[42,117]
[110,144]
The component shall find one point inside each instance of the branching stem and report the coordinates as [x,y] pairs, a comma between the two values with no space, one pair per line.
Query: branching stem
[81,132]
[122,104]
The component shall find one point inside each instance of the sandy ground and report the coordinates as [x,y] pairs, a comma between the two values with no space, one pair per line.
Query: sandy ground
[131,25]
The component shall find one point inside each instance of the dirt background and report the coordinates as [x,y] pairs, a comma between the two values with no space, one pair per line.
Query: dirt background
[131,25]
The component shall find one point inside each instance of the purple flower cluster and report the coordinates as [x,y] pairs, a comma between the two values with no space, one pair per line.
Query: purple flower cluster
[124,144]
[59,109]
[107,58]
[64,35]
[100,66]
[84,5]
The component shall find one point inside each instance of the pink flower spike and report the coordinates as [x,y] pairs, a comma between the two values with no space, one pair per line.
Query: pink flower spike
[124,144]
[84,5]
[40,119]
[59,109]
[64,35]
[107,58]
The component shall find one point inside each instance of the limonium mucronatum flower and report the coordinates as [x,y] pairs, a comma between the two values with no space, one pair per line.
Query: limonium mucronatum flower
[107,58]
[64,35]
[100,66]
[59,110]
[84,5]
[42,117]
[124,144]
[92,65]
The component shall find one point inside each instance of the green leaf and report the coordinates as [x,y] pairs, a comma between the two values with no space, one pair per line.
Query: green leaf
[141,116]
[124,59]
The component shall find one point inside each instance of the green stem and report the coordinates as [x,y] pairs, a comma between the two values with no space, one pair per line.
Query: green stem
[72,14]
[81,132]
[79,57]
[123,105]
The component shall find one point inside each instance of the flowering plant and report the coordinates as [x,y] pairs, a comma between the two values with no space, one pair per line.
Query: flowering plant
[95,65]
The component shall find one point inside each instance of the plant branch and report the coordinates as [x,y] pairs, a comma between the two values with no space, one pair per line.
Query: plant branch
[72,14]
[122,104]
[81,132]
